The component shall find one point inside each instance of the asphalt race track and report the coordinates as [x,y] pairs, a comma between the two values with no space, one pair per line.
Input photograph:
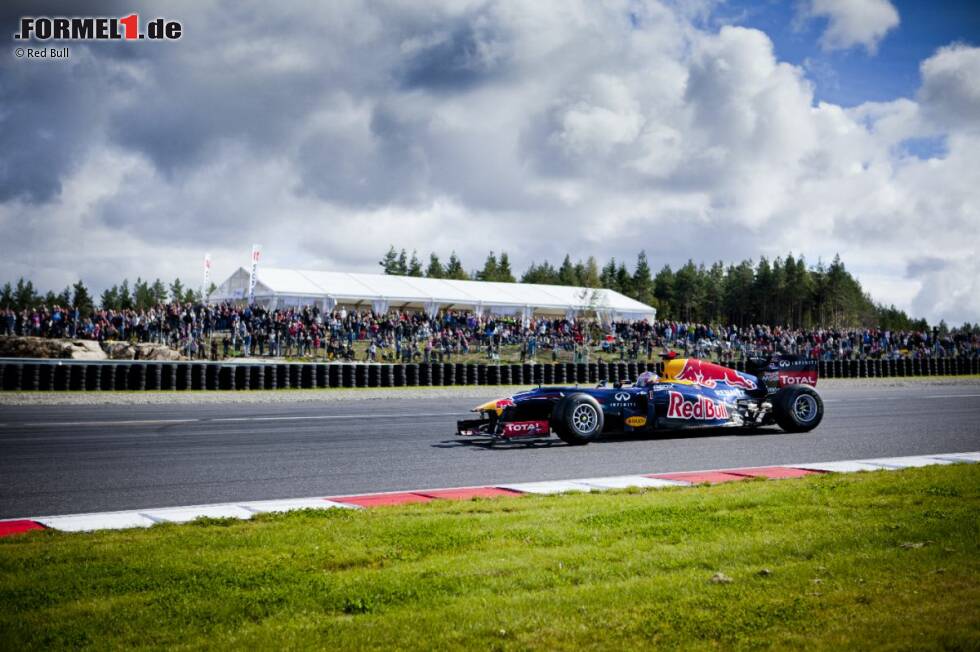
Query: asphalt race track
[73,459]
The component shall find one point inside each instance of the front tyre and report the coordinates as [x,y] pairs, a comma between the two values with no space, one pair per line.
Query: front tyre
[797,408]
[578,419]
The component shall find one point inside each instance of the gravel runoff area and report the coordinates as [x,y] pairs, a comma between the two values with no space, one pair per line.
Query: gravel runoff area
[201,397]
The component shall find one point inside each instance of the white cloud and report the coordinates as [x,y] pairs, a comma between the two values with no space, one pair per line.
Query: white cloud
[853,22]
[948,290]
[539,129]
[950,89]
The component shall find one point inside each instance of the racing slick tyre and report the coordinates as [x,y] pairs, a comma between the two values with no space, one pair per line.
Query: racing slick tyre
[797,408]
[577,419]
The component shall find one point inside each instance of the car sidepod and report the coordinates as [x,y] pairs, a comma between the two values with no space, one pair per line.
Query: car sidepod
[625,409]
[683,405]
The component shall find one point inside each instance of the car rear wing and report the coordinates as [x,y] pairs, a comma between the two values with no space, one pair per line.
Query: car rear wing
[785,370]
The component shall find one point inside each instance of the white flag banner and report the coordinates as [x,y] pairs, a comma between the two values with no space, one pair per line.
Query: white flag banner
[207,278]
[256,252]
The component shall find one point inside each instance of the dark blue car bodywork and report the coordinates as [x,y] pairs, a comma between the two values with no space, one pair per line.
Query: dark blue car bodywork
[712,397]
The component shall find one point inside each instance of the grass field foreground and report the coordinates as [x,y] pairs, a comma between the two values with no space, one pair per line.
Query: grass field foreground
[872,560]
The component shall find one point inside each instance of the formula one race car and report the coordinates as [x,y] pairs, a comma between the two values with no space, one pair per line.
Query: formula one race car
[692,394]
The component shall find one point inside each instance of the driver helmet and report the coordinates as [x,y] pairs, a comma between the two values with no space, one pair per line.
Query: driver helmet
[647,378]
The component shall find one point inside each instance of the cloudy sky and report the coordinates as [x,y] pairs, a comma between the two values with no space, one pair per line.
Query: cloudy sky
[688,128]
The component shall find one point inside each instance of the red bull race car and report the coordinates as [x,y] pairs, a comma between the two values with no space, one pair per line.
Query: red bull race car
[692,393]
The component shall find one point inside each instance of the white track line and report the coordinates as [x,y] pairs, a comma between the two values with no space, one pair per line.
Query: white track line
[147,517]
[959,457]
[846,466]
[548,487]
[627,481]
[906,462]
[951,396]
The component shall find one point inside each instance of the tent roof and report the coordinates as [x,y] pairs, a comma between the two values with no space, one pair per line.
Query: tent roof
[346,288]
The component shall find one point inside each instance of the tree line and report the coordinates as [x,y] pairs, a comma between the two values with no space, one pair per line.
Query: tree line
[143,295]
[784,291]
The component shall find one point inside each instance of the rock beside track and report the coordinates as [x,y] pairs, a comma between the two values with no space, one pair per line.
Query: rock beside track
[74,349]
[41,347]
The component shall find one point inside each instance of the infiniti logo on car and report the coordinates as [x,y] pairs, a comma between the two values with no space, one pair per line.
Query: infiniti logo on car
[622,397]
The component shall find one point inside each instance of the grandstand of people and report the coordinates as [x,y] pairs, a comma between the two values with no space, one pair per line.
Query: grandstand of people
[337,316]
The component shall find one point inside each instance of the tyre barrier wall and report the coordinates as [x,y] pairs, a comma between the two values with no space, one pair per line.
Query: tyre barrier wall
[18,374]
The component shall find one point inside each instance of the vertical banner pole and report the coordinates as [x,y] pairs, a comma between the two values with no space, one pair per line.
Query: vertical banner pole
[207,278]
[256,252]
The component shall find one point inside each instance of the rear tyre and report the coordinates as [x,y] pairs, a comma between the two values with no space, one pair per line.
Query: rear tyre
[578,419]
[797,408]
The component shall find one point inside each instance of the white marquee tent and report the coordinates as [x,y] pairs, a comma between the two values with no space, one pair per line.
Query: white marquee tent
[277,287]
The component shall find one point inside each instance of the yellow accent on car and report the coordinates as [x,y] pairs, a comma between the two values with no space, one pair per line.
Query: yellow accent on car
[636,422]
[490,406]
[673,368]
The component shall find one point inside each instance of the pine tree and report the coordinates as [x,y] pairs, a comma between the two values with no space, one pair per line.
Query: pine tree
[176,292]
[642,282]
[590,275]
[415,266]
[836,289]
[763,290]
[81,299]
[530,275]
[504,273]
[454,269]
[489,271]
[142,294]
[688,291]
[110,298]
[124,300]
[714,292]
[819,276]
[566,273]
[64,299]
[738,294]
[435,269]
[390,261]
[623,281]
[543,274]
[787,285]
[158,292]
[24,295]
[607,278]
[401,265]
[804,293]
[7,296]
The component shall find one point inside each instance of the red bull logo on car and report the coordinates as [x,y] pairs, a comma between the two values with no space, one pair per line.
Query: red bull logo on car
[704,409]
[708,374]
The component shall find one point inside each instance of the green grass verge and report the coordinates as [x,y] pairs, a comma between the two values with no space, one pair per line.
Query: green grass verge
[885,560]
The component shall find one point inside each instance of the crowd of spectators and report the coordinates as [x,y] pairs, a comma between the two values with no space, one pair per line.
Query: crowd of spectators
[728,343]
[220,331]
